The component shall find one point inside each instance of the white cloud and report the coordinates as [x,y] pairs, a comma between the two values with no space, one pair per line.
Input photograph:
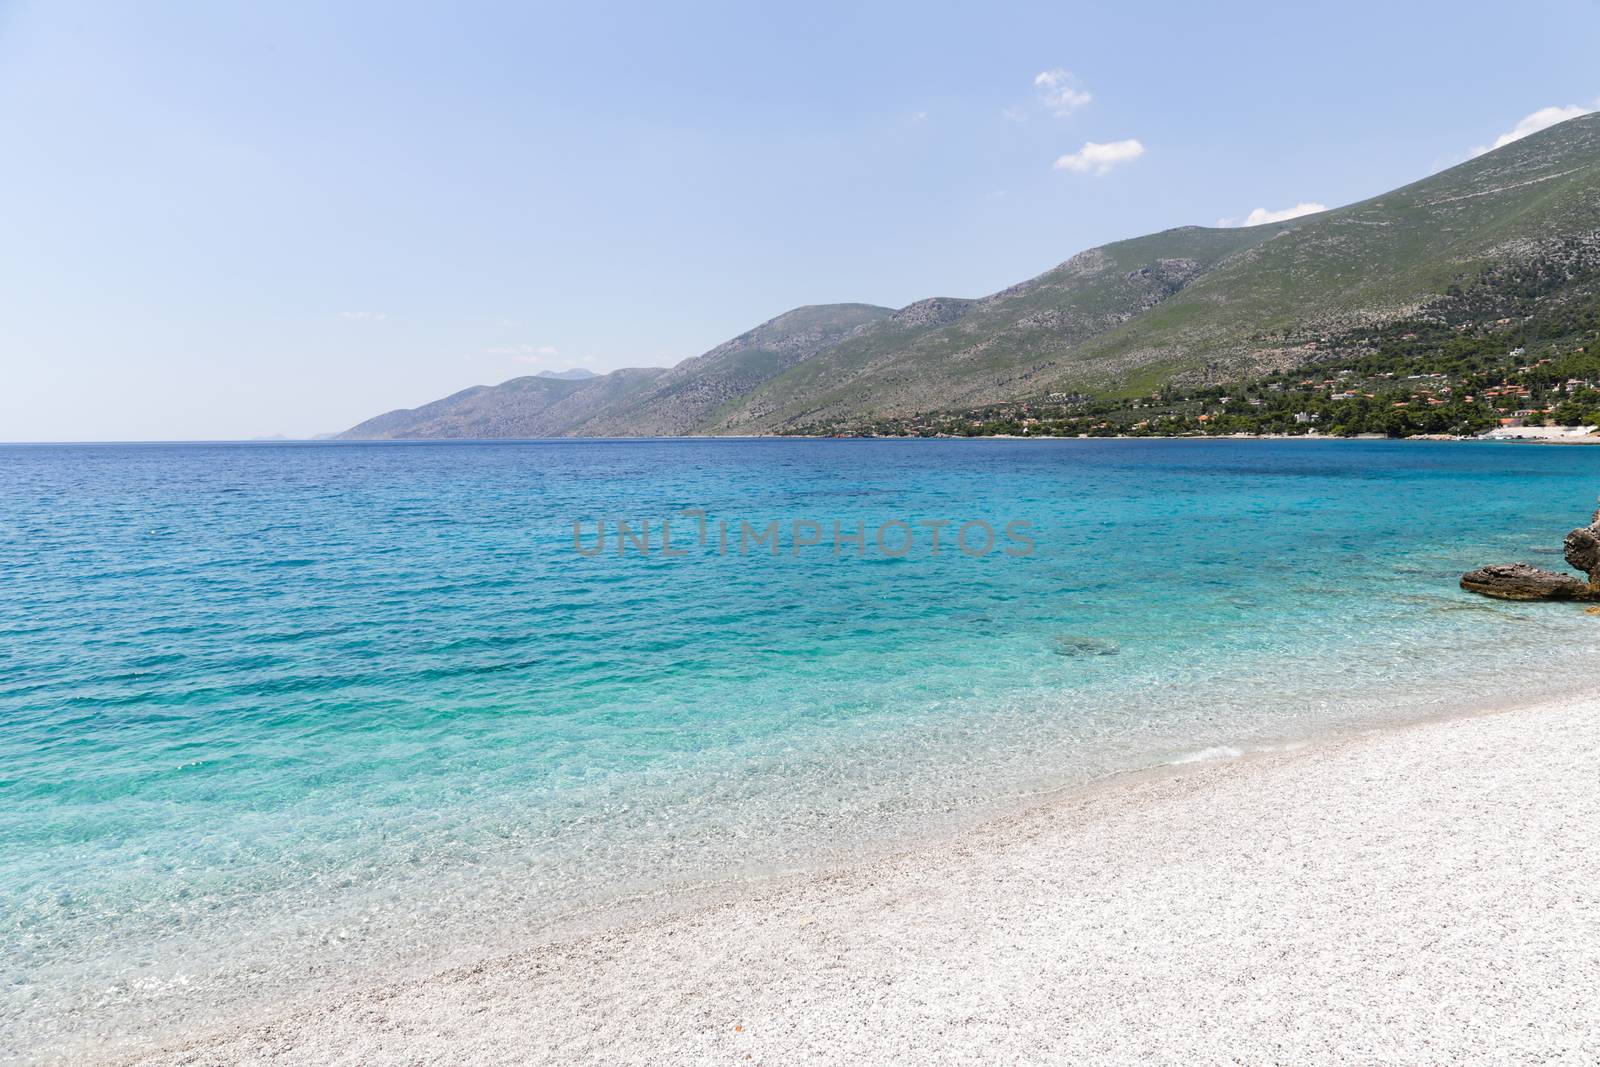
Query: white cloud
[525,353]
[1100,158]
[1060,91]
[1261,216]
[370,316]
[1013,114]
[1542,119]
[921,116]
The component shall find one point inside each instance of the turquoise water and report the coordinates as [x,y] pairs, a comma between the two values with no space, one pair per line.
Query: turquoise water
[270,714]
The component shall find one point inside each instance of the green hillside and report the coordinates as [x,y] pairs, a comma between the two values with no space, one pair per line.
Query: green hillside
[942,353]
[1240,303]
[1184,309]
[1371,262]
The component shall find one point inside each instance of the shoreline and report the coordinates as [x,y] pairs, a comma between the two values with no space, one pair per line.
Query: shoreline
[1593,439]
[779,967]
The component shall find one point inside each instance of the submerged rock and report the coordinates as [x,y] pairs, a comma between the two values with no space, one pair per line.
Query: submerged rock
[1520,581]
[1078,645]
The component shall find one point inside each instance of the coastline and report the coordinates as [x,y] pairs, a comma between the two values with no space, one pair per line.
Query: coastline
[1433,438]
[1190,911]
[1364,438]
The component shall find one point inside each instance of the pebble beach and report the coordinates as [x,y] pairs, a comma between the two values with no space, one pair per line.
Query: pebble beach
[1423,894]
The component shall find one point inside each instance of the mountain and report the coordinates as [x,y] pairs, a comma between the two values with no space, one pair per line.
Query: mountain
[943,352]
[1375,261]
[695,393]
[631,403]
[576,374]
[523,407]
[1185,306]
[1214,304]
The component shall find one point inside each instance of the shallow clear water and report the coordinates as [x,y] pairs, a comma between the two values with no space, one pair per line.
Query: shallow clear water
[271,713]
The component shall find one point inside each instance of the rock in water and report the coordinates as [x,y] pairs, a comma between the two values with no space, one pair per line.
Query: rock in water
[1583,550]
[1520,581]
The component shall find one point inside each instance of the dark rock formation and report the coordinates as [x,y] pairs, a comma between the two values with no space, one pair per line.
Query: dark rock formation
[1583,550]
[1519,581]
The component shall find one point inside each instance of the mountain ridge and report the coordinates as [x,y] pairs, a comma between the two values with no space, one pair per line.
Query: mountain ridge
[1187,305]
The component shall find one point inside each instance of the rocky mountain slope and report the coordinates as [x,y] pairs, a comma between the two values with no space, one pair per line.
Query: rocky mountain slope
[523,407]
[943,353]
[1190,305]
[693,394]
[641,402]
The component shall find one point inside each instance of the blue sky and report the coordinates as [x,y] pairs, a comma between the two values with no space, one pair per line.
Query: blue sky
[229,220]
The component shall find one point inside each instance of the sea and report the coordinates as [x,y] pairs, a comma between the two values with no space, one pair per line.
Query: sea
[276,718]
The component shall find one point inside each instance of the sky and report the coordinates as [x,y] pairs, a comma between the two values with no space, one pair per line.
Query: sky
[231,220]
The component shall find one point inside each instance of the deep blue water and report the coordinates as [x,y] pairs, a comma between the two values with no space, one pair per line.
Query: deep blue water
[271,713]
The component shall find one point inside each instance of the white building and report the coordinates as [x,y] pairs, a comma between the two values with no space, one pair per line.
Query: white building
[1537,433]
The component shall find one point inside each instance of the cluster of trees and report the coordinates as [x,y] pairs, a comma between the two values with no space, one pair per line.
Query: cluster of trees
[1580,409]
[1283,415]
[1395,408]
